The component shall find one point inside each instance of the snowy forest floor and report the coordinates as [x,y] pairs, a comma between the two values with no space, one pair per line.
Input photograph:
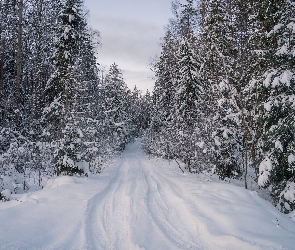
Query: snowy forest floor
[142,203]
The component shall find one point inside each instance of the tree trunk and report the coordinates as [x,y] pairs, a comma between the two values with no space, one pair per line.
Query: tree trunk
[246,166]
[2,58]
[179,166]
[38,85]
[19,60]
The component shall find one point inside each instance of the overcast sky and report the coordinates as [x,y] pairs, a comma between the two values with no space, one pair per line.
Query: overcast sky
[130,35]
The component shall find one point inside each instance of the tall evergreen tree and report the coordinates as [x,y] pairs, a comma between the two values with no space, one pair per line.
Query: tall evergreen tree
[278,110]
[220,70]
[61,91]
[188,99]
[158,136]
[115,108]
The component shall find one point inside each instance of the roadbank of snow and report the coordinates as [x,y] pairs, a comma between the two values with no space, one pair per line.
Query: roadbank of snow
[139,203]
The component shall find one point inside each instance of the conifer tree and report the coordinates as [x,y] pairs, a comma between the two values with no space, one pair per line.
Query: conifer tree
[158,136]
[60,85]
[277,110]
[188,97]
[146,109]
[220,70]
[70,150]
[59,114]
[115,108]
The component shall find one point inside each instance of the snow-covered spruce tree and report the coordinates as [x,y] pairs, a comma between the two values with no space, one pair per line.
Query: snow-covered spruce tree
[134,112]
[158,138]
[59,114]
[33,21]
[189,117]
[247,24]
[146,107]
[8,36]
[220,64]
[139,112]
[86,104]
[115,108]
[261,19]
[38,47]
[70,149]
[173,97]
[277,109]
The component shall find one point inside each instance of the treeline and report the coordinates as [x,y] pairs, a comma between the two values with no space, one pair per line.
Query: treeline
[57,115]
[224,97]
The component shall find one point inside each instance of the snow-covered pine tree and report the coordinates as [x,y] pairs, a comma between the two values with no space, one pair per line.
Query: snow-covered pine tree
[146,107]
[189,92]
[20,133]
[220,64]
[59,113]
[70,149]
[38,46]
[260,21]
[134,112]
[158,138]
[115,108]
[277,109]
[166,135]
[59,87]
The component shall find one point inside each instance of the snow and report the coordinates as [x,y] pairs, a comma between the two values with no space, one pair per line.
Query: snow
[200,144]
[264,171]
[66,53]
[119,124]
[279,145]
[83,165]
[271,78]
[71,18]
[291,159]
[267,106]
[216,141]
[21,150]
[275,29]
[286,77]
[143,203]
[291,26]
[6,193]
[225,133]
[268,77]
[284,49]
[63,180]
[67,161]
[289,192]
[287,197]
[80,133]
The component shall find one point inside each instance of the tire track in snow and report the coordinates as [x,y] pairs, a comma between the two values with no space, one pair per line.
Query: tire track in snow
[135,212]
[171,214]
[139,203]
[90,228]
[204,214]
[108,215]
[149,206]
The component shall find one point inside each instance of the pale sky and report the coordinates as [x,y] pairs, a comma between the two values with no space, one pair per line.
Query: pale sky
[130,34]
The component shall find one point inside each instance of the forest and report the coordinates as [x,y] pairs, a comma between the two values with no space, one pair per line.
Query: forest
[224,95]
[59,113]
[223,100]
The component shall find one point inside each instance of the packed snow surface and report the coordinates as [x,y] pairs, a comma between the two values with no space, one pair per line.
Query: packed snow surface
[142,203]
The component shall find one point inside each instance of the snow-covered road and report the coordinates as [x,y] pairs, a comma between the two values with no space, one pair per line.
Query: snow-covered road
[142,203]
